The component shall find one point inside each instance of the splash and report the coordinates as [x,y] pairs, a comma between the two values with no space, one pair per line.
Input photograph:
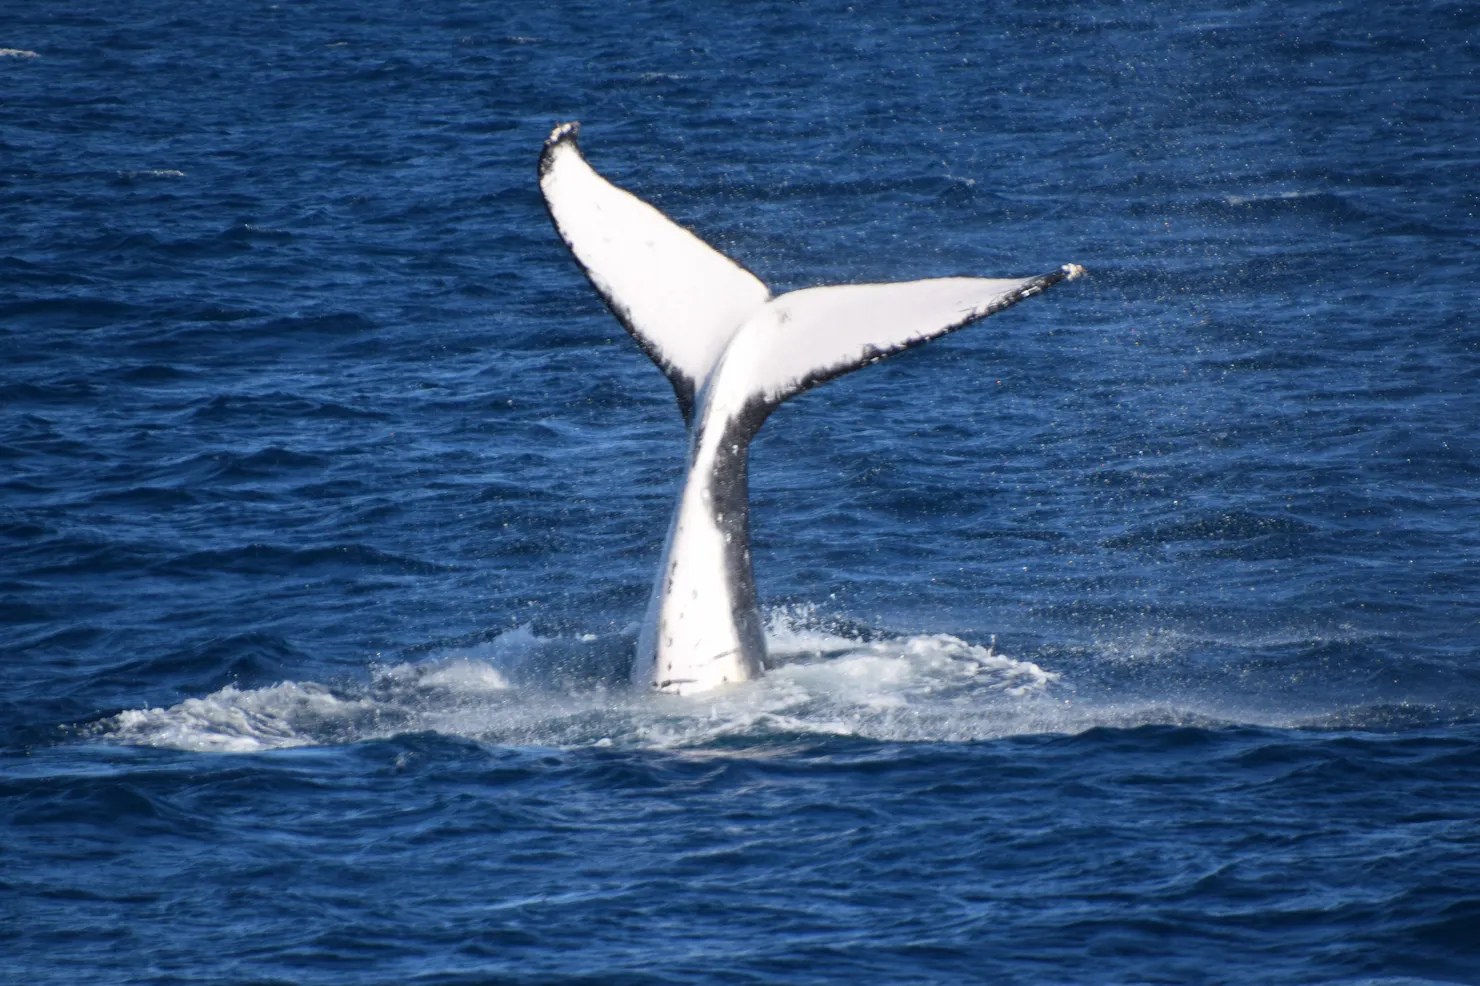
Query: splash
[828,678]
[243,721]
[526,690]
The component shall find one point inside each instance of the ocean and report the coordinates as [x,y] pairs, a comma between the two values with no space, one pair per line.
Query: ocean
[1129,636]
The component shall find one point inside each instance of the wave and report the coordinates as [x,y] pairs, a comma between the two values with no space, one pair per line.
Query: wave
[1256,198]
[130,176]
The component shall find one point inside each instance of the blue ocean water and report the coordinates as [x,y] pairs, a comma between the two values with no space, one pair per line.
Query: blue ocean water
[1130,636]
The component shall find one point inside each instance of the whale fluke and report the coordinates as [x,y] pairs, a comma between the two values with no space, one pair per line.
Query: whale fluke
[732,352]
[680,298]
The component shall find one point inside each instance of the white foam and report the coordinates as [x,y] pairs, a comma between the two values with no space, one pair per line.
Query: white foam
[236,721]
[465,676]
[916,689]
[17,53]
[526,690]
[1269,197]
[523,689]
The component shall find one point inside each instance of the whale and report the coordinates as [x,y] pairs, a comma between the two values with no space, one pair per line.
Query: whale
[733,352]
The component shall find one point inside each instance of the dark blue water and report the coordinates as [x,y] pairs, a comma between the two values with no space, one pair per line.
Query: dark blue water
[1130,636]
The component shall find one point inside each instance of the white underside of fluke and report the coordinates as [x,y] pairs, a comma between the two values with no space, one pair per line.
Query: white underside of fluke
[732,353]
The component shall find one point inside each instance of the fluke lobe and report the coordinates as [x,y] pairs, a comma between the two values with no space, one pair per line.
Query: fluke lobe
[733,353]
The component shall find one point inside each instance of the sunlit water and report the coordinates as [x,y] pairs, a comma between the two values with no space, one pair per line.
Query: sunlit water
[1129,636]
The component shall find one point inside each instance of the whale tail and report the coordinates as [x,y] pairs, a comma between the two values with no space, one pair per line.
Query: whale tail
[733,353]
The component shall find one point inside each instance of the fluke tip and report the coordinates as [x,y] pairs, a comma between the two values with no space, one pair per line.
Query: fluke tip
[562,131]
